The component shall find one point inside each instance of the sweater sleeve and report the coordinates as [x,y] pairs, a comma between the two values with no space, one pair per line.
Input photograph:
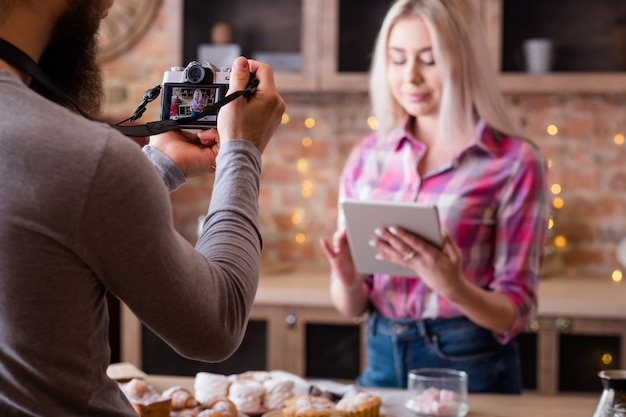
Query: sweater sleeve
[167,169]
[196,299]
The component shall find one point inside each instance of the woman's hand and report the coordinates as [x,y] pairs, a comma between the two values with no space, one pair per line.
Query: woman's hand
[347,291]
[194,154]
[340,258]
[440,269]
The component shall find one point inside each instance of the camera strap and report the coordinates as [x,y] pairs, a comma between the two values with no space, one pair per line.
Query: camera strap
[20,60]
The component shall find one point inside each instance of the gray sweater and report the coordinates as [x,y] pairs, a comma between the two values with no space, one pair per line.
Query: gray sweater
[82,210]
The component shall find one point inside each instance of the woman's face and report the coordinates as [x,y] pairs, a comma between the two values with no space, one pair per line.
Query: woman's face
[413,76]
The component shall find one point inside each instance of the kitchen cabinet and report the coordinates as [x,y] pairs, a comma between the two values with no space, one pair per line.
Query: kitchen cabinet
[283,32]
[334,40]
[571,350]
[580,329]
[350,29]
[312,341]
[589,44]
[294,331]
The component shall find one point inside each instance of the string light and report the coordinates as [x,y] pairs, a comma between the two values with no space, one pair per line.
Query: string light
[303,165]
[552,130]
[558,203]
[556,189]
[297,216]
[307,142]
[607,359]
[617,276]
[309,123]
[300,238]
[285,119]
[618,139]
[372,122]
[560,241]
[307,189]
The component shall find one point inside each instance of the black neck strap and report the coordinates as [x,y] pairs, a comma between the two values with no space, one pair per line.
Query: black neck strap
[18,59]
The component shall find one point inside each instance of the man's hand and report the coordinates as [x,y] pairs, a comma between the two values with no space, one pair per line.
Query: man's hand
[194,154]
[254,119]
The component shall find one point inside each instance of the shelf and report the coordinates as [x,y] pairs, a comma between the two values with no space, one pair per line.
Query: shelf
[284,27]
[336,38]
[554,83]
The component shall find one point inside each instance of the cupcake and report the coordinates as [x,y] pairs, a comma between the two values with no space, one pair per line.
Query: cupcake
[360,404]
[145,399]
[308,406]
[181,398]
[220,407]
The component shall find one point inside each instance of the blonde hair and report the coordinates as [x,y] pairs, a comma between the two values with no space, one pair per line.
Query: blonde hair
[469,81]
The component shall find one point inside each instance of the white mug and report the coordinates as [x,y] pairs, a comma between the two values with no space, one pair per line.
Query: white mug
[538,54]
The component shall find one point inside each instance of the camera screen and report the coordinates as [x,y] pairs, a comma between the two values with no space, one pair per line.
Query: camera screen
[186,100]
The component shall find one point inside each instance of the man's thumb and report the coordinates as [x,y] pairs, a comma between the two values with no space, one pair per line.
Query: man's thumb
[239,75]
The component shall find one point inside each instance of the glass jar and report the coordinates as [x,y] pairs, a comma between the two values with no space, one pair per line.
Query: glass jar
[612,401]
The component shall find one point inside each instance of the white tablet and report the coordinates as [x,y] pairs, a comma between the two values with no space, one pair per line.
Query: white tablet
[364,216]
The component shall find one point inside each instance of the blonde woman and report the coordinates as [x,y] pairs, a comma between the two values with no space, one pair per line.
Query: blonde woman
[444,139]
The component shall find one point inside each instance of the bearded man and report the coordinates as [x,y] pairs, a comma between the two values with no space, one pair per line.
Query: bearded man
[83,210]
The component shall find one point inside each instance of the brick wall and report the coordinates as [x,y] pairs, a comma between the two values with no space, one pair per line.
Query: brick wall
[299,183]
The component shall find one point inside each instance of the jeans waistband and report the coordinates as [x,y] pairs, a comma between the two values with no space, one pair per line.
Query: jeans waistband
[377,322]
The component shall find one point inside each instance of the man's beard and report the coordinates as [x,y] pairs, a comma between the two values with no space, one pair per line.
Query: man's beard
[70,59]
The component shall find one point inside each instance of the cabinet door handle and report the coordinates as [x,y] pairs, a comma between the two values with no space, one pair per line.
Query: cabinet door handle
[563,324]
[291,319]
[534,325]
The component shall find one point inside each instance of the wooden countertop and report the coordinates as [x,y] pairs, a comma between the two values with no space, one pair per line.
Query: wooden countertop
[481,405]
[572,296]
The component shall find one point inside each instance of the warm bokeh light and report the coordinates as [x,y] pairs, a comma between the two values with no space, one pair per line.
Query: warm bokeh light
[309,122]
[307,142]
[558,203]
[303,165]
[617,275]
[618,139]
[550,223]
[552,130]
[300,238]
[307,189]
[556,189]
[297,216]
[285,119]
[560,241]
[372,122]
[607,359]
[549,162]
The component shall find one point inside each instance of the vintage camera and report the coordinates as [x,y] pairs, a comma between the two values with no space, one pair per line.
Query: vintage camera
[190,90]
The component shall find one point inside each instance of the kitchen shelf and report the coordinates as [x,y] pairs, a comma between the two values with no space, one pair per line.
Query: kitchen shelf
[335,39]
[581,82]
[275,26]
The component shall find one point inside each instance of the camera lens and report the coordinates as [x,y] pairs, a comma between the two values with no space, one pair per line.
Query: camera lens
[195,74]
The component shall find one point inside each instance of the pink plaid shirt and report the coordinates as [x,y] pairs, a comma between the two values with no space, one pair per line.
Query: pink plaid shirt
[492,198]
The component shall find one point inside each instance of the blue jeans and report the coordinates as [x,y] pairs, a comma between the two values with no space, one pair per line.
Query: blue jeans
[396,346]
